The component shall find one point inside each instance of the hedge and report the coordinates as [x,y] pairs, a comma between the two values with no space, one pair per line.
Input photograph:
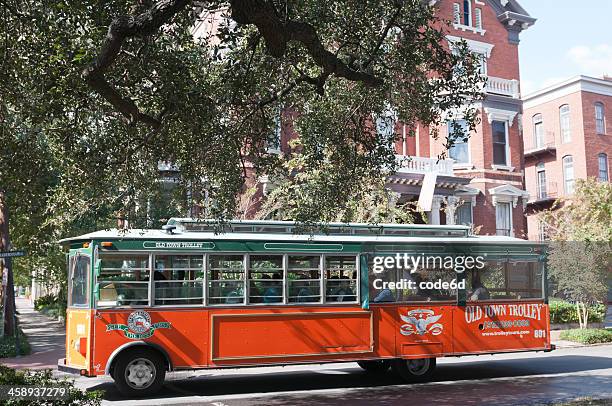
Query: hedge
[7,346]
[44,378]
[562,312]
[587,336]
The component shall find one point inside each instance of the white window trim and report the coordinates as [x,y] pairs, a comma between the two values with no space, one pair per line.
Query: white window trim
[569,122]
[461,165]
[564,173]
[475,46]
[512,206]
[603,118]
[599,167]
[478,12]
[506,167]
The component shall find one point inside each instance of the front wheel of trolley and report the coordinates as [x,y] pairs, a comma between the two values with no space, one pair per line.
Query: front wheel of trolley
[139,372]
[415,370]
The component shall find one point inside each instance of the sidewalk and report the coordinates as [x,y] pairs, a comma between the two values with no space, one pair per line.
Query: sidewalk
[46,336]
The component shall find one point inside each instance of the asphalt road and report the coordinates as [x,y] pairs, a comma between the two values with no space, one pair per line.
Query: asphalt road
[512,379]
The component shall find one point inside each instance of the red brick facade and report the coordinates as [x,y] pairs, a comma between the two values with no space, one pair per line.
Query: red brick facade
[479,182]
[584,143]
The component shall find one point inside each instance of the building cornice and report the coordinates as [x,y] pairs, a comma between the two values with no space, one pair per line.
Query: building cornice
[573,85]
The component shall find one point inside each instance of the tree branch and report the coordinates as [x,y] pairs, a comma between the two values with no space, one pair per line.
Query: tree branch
[120,29]
[278,33]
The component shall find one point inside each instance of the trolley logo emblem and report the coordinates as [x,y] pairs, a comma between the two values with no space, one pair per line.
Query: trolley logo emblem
[421,322]
[139,326]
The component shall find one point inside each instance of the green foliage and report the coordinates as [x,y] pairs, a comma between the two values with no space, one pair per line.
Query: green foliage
[70,162]
[45,301]
[581,252]
[77,397]
[588,336]
[51,305]
[562,312]
[8,347]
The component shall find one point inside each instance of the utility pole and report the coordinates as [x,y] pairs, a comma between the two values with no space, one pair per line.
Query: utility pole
[9,290]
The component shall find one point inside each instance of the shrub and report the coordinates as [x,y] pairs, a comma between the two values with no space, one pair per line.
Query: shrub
[9,376]
[45,301]
[588,336]
[562,312]
[7,345]
[50,305]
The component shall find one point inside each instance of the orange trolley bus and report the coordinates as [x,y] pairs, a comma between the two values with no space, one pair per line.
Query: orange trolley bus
[144,302]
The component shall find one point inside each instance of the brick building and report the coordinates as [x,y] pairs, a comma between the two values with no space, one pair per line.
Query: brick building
[482,183]
[567,136]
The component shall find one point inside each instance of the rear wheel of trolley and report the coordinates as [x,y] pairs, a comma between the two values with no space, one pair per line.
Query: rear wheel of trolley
[414,370]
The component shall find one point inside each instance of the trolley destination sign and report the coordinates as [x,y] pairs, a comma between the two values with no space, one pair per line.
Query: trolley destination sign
[11,254]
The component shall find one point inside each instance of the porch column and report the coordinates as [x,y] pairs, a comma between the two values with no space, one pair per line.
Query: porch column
[451,208]
[434,214]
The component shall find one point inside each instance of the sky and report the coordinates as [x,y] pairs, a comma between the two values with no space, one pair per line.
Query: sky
[570,38]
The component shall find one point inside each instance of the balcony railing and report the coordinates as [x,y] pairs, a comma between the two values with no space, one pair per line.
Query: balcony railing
[503,87]
[548,191]
[416,164]
[537,145]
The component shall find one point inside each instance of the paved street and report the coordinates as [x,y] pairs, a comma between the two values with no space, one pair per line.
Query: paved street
[514,379]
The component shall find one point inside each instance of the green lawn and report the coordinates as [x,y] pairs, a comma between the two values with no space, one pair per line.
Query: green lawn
[588,336]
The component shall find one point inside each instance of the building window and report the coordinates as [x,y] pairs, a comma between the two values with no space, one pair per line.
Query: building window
[478,18]
[467,13]
[542,231]
[541,179]
[568,174]
[464,214]
[603,167]
[538,131]
[600,121]
[482,63]
[503,218]
[458,134]
[564,123]
[457,13]
[500,143]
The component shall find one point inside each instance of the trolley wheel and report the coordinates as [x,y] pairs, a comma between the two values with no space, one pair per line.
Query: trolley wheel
[139,372]
[375,366]
[414,370]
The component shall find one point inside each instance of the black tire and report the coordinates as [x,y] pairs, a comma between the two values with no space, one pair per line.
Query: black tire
[377,366]
[131,364]
[414,370]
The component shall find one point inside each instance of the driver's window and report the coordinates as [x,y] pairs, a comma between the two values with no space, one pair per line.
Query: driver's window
[79,268]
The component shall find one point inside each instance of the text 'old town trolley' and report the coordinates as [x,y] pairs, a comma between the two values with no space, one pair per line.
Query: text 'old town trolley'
[144,302]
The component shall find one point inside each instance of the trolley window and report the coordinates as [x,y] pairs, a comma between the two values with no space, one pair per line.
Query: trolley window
[225,279]
[429,282]
[341,278]
[124,280]
[506,280]
[78,287]
[266,278]
[179,279]
[304,279]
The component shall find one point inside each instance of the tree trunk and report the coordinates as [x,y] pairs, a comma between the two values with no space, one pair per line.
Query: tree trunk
[5,245]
